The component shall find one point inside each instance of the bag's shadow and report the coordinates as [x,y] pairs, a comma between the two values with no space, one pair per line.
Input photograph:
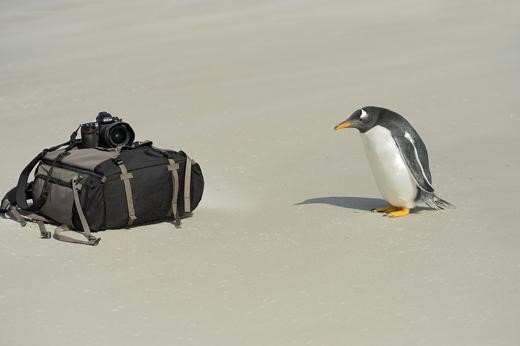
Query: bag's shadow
[357,203]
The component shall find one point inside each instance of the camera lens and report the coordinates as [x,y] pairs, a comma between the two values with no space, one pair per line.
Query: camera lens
[118,134]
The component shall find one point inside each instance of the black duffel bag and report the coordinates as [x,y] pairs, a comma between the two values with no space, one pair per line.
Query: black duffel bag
[95,189]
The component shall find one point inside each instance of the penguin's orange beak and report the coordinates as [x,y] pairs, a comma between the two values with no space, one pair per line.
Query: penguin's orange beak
[343,125]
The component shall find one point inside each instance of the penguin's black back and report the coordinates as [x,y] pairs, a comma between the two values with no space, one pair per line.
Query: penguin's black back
[398,126]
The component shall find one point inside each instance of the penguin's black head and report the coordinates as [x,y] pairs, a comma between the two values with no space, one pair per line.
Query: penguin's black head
[363,119]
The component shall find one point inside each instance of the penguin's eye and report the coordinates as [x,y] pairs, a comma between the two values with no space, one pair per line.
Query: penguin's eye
[363,116]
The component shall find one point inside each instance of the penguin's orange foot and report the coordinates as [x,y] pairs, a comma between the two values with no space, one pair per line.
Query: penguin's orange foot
[399,212]
[389,208]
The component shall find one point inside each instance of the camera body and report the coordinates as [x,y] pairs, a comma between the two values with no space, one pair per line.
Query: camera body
[107,132]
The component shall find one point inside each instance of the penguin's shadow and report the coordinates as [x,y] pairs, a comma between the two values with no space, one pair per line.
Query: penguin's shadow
[357,203]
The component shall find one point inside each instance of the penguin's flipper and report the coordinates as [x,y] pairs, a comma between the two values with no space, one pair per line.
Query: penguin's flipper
[416,159]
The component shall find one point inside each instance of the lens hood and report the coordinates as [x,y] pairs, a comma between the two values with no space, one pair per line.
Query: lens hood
[117,134]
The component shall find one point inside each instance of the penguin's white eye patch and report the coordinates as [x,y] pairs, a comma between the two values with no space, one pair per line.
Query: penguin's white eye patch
[363,115]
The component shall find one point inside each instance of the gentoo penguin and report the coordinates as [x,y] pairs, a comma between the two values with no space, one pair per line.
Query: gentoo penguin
[398,159]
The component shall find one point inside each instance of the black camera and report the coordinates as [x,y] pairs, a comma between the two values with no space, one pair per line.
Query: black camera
[107,132]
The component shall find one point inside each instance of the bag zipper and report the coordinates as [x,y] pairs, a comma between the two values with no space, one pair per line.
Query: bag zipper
[138,169]
[73,168]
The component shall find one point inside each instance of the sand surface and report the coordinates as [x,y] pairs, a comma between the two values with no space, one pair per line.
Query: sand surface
[283,249]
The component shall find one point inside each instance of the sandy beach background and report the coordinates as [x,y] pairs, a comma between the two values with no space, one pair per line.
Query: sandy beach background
[283,249]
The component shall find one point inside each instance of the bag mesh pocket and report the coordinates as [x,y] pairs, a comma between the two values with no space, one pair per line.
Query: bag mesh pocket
[58,206]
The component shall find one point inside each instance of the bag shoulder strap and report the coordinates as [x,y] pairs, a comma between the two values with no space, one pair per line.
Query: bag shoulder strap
[21,196]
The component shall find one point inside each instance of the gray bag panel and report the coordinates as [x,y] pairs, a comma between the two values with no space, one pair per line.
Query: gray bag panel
[83,158]
[57,173]
[59,203]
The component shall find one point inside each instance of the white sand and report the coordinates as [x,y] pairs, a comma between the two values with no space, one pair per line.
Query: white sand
[282,250]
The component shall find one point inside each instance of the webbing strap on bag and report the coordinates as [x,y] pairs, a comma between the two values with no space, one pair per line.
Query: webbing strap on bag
[12,212]
[187,185]
[8,201]
[18,217]
[22,217]
[58,232]
[125,177]
[39,220]
[173,167]
[58,235]
[44,234]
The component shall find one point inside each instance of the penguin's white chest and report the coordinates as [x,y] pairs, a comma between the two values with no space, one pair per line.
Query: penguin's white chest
[392,177]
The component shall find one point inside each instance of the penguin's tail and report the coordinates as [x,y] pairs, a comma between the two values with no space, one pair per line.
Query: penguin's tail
[435,202]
